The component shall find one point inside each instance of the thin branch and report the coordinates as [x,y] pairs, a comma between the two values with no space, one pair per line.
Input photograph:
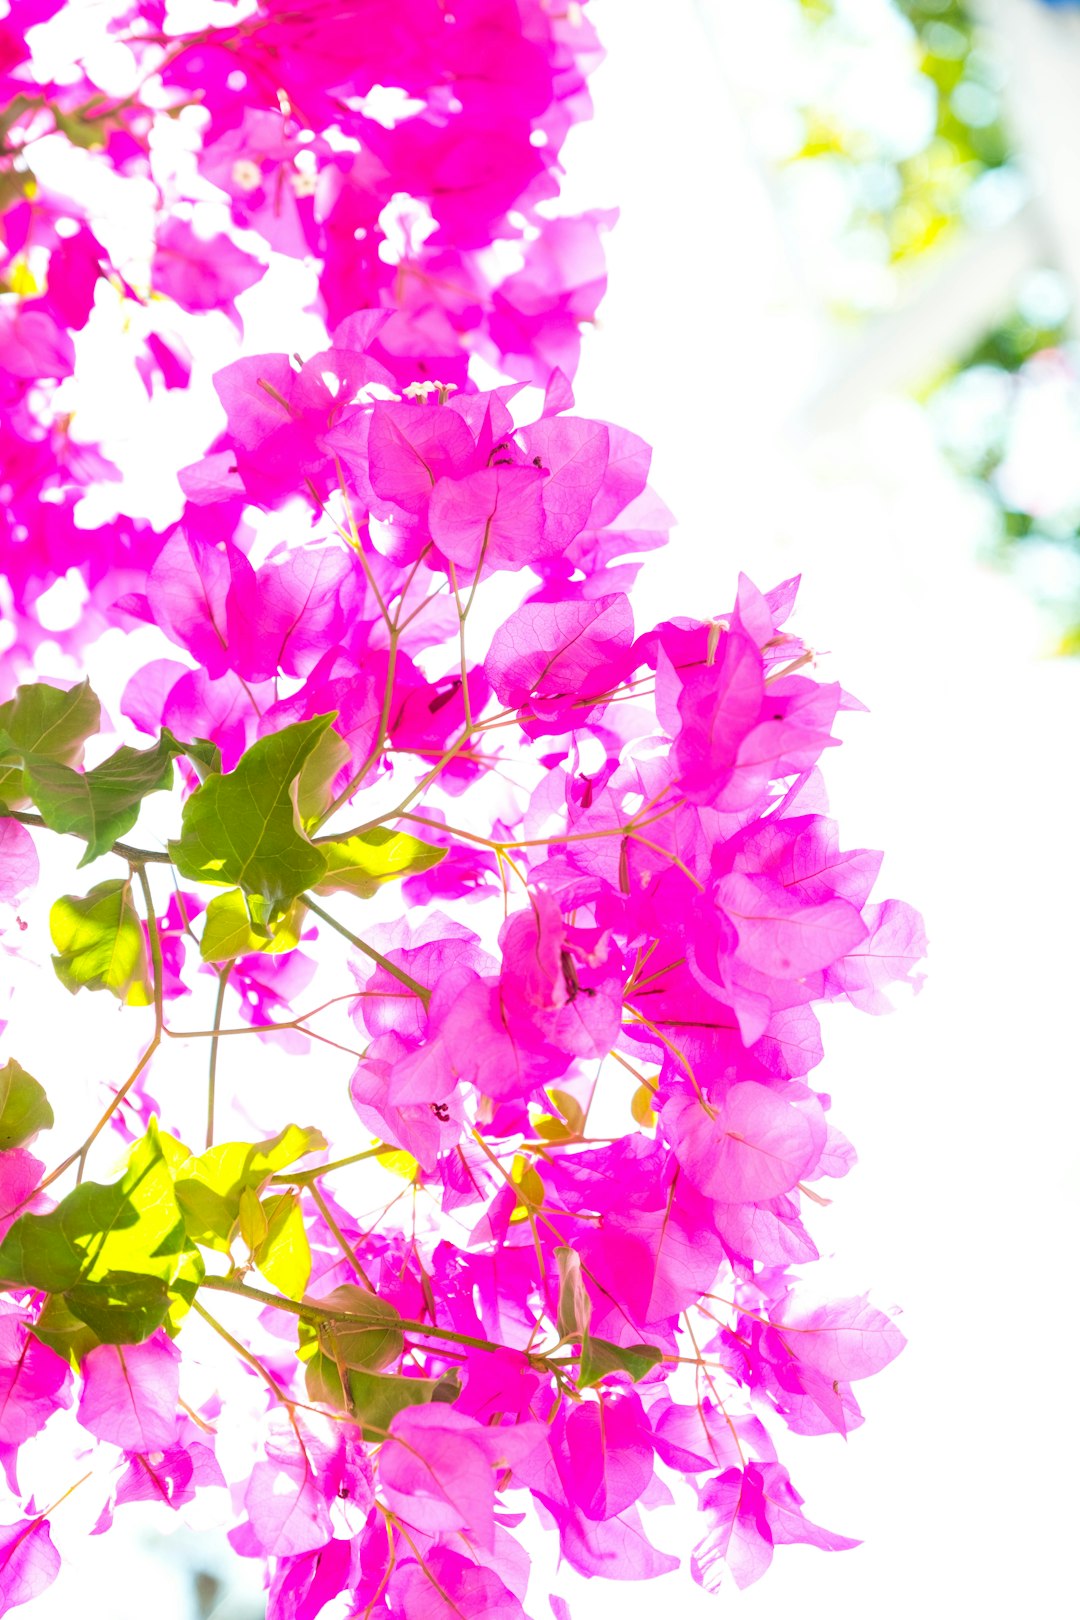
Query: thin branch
[215,1034]
[81,1152]
[290,1178]
[419,990]
[241,1350]
[311,1312]
[342,1241]
[127,852]
[155,947]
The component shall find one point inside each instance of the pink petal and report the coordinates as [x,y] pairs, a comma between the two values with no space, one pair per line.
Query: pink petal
[130,1392]
[28,1562]
[18,861]
[754,1147]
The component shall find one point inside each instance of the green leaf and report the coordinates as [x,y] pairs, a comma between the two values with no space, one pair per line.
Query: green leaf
[530,1188]
[374,1399]
[372,1340]
[244,828]
[228,931]
[572,1123]
[203,754]
[575,1307]
[101,943]
[43,720]
[252,1219]
[208,1188]
[314,787]
[51,1251]
[103,804]
[361,863]
[123,1307]
[99,1238]
[184,1286]
[600,1357]
[284,1255]
[63,1331]
[82,129]
[641,1107]
[155,1241]
[24,1107]
[570,1109]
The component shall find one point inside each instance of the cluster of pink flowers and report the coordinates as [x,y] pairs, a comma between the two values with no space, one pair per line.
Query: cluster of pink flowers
[408,156]
[587,1036]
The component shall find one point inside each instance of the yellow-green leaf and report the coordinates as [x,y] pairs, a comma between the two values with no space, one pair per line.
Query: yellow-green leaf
[359,864]
[24,1107]
[228,931]
[252,1217]
[101,943]
[208,1187]
[399,1162]
[115,1252]
[530,1189]
[641,1107]
[284,1256]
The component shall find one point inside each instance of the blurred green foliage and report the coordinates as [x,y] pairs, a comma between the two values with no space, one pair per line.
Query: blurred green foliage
[926,189]
[904,203]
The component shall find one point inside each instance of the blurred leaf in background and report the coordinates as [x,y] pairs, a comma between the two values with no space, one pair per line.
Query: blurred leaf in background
[907,172]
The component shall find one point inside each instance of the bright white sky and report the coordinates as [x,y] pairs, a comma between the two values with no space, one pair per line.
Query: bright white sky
[963,1105]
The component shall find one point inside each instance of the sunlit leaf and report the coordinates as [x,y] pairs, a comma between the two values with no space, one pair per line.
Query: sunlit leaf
[641,1107]
[399,1163]
[228,931]
[101,943]
[284,1255]
[209,1187]
[100,1240]
[252,1218]
[24,1107]
[361,863]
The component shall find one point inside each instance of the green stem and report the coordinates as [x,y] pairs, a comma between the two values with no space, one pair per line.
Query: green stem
[291,1178]
[418,989]
[316,1313]
[241,1350]
[155,945]
[80,1153]
[342,1241]
[211,1084]
[128,852]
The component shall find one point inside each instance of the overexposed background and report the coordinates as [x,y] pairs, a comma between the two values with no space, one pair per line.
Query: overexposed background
[963,1105]
[784,447]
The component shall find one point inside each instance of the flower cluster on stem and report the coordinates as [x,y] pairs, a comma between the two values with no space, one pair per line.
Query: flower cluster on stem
[571,876]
